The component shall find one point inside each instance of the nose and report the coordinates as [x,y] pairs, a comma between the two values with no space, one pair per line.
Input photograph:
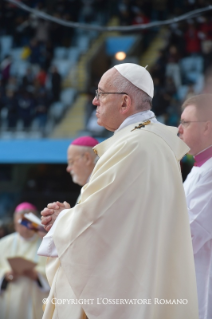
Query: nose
[68,168]
[180,130]
[95,101]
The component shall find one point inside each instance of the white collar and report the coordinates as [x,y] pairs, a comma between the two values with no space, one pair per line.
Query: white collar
[137,117]
[203,150]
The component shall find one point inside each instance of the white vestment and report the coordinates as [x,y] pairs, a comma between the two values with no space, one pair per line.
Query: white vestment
[198,190]
[128,238]
[22,299]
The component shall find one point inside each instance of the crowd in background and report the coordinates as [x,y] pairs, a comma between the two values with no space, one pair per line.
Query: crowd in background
[183,67]
[25,26]
[28,98]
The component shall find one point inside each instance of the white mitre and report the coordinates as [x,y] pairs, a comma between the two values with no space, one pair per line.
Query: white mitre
[138,76]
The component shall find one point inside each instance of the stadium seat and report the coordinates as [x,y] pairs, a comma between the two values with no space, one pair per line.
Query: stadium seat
[182,91]
[67,96]
[18,68]
[60,53]
[5,45]
[193,63]
[83,43]
[56,111]
[16,54]
[63,66]
[73,54]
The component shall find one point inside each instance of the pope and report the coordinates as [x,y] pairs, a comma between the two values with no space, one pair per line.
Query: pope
[129,236]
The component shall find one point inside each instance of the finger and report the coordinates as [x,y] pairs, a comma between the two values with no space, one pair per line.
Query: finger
[44,210]
[53,206]
[46,220]
[67,205]
[47,212]
[47,228]
[60,204]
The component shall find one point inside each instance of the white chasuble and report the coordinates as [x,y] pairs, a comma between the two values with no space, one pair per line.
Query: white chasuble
[127,244]
[198,190]
[22,299]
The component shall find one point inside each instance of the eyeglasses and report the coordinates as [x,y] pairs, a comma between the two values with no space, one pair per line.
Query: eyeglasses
[99,94]
[185,123]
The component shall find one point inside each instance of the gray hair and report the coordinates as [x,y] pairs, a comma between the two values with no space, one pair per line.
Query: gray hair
[84,149]
[141,100]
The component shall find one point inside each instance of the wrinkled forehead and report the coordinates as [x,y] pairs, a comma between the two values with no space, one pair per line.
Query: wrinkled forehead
[74,150]
[106,80]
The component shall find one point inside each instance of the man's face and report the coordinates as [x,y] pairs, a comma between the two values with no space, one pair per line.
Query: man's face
[190,131]
[77,165]
[108,105]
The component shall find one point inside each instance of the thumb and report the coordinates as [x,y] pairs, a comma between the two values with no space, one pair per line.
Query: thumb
[67,205]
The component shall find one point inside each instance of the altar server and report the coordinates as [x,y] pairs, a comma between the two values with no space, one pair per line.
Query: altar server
[196,131]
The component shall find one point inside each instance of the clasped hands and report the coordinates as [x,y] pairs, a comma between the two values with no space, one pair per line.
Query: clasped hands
[50,213]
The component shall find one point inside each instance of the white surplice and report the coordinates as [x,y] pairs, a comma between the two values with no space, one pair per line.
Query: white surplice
[198,190]
[22,299]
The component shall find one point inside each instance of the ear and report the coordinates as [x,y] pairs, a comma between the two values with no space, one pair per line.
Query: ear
[88,158]
[126,104]
[208,128]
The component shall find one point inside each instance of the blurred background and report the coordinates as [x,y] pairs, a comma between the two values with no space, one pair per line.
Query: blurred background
[49,73]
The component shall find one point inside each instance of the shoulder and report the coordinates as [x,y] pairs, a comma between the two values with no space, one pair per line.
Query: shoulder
[150,137]
[204,172]
[7,239]
[145,137]
[206,168]
[206,176]
[200,177]
[151,133]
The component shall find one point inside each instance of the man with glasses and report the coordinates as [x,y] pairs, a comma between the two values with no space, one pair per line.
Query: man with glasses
[125,250]
[195,130]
